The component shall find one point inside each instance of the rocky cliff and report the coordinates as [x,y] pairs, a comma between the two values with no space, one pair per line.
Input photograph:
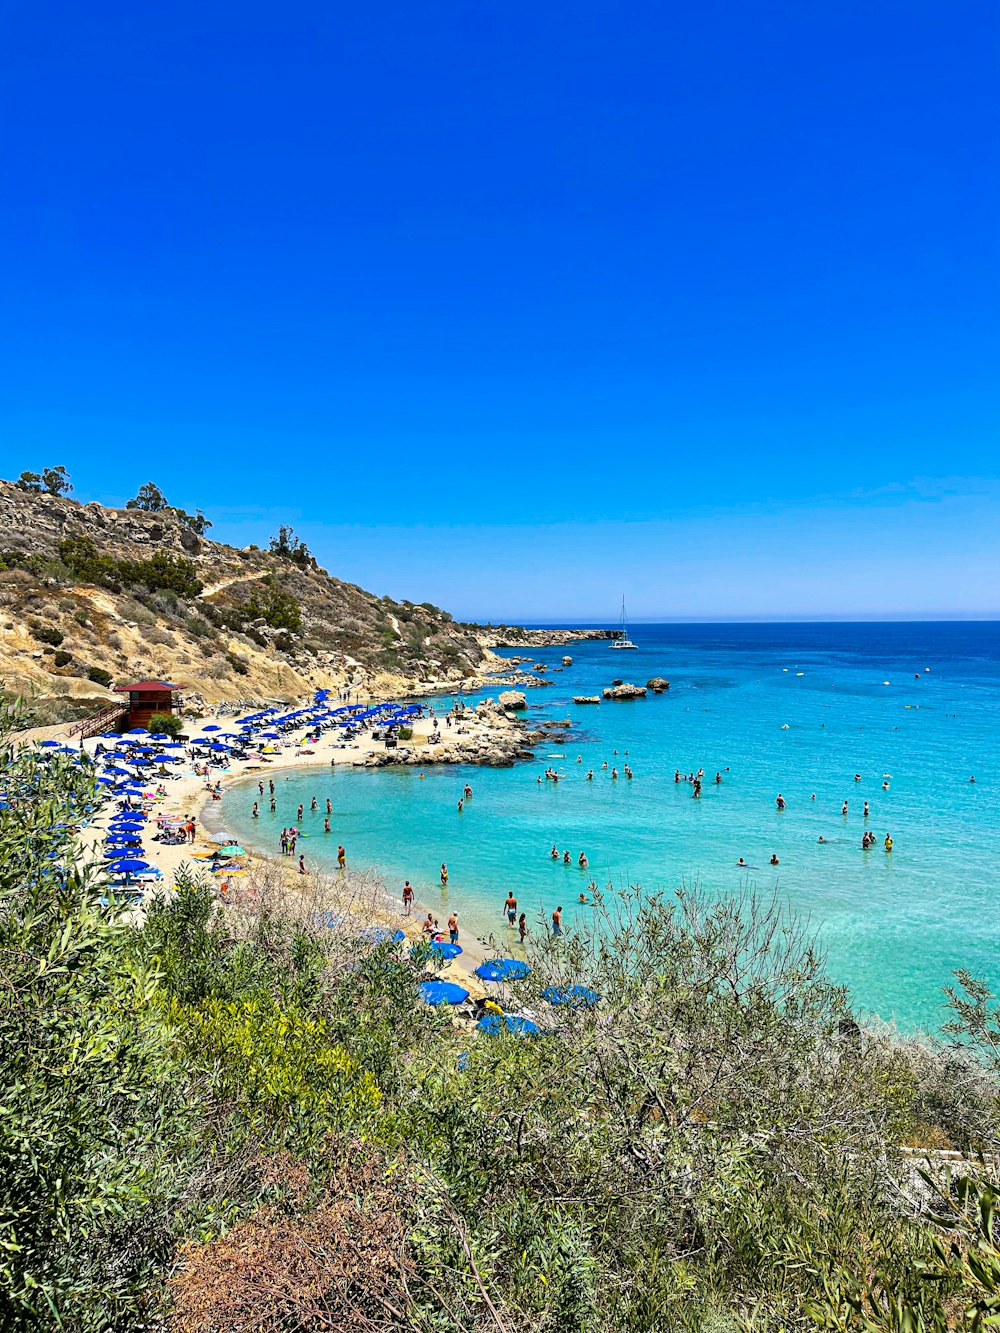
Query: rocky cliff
[92,597]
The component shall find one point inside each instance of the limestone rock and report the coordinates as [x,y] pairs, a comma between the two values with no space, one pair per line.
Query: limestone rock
[513,699]
[567,661]
[586,698]
[625,691]
[658,684]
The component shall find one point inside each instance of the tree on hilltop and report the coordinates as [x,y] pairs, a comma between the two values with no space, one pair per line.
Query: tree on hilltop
[148,498]
[50,481]
[289,547]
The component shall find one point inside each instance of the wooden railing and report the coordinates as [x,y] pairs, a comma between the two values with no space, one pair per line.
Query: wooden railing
[102,721]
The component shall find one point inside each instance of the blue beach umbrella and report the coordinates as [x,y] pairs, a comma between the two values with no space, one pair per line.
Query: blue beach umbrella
[137,731]
[445,949]
[503,969]
[211,727]
[47,744]
[442,992]
[494,1024]
[576,996]
[128,865]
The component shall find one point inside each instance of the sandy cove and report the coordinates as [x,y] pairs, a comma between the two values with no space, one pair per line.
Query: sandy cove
[482,735]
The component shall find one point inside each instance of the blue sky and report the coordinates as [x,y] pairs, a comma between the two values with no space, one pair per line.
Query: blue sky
[519,307]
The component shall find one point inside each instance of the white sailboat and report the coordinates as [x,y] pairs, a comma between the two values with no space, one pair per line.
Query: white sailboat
[622,641]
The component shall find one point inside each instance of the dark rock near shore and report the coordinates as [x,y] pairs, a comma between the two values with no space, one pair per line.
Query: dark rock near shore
[658,684]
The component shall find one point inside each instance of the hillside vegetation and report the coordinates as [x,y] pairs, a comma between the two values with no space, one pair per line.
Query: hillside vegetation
[91,597]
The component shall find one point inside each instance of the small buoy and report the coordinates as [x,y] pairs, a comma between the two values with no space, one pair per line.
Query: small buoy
[784,668]
[885,682]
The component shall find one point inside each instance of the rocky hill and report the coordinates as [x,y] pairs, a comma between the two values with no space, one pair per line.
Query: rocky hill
[93,597]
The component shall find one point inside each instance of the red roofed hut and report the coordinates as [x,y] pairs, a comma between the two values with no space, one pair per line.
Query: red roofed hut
[147,697]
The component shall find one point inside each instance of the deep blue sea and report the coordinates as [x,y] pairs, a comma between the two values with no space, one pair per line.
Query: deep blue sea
[793,708]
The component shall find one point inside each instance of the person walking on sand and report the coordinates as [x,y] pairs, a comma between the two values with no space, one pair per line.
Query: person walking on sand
[557,921]
[341,857]
[453,928]
[510,907]
[522,926]
[407,898]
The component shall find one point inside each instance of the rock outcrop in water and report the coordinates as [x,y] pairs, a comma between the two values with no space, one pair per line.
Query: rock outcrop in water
[658,684]
[625,691]
[513,700]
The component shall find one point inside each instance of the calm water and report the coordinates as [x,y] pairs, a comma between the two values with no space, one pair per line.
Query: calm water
[894,926]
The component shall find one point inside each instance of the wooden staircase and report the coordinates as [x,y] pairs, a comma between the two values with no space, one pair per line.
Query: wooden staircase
[105,720]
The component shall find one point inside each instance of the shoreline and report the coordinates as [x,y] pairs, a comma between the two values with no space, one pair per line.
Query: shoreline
[488,735]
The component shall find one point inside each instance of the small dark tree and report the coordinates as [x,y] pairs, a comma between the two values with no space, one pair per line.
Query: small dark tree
[149,498]
[51,481]
[289,547]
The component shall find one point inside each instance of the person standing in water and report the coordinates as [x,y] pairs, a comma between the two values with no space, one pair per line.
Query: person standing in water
[444,875]
[557,921]
[341,858]
[780,801]
[510,907]
[522,926]
[407,898]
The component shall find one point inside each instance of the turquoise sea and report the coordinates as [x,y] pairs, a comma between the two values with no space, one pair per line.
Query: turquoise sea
[791,708]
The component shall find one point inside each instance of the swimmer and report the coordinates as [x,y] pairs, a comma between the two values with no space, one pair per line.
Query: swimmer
[444,875]
[774,859]
[539,779]
[677,775]
[843,808]
[272,805]
[888,842]
[780,801]
[579,758]
[590,775]
[301,808]
[582,861]
[821,838]
[857,777]
[468,792]
[741,862]
[584,898]
[718,779]
[329,806]
[313,805]
[866,810]
[885,786]
[604,766]
[256,812]
[326,824]
[567,859]
[973,778]
[614,775]
[813,797]
[554,852]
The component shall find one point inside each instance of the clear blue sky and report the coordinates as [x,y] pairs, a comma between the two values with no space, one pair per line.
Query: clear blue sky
[518,307]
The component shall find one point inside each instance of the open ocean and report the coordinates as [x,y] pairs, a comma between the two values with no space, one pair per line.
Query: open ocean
[790,708]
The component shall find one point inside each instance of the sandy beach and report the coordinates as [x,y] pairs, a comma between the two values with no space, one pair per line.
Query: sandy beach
[356,897]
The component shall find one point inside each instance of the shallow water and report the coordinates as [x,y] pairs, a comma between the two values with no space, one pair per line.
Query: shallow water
[894,927]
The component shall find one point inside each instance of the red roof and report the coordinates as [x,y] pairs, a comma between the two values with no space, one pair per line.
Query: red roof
[145,686]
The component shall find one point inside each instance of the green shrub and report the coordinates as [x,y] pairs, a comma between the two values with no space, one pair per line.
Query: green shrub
[167,723]
[99,676]
[47,634]
[62,658]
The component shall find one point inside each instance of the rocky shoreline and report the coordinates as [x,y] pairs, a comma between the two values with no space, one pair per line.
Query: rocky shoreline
[488,734]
